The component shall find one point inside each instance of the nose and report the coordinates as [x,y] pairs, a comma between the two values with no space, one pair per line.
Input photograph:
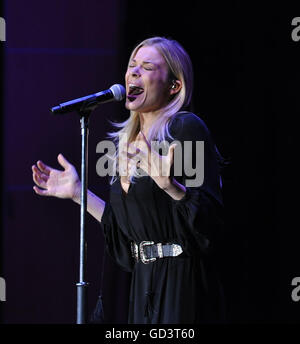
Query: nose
[135,71]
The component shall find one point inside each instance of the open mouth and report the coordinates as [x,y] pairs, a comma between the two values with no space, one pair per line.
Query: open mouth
[134,91]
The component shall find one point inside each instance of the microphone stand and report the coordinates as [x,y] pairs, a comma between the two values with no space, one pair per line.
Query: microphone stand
[82,285]
[88,104]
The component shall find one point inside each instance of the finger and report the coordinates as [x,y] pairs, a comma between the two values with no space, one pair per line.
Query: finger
[132,148]
[63,161]
[137,148]
[131,155]
[123,159]
[40,174]
[136,161]
[123,155]
[123,168]
[131,167]
[40,192]
[44,168]
[38,181]
[171,153]
[171,149]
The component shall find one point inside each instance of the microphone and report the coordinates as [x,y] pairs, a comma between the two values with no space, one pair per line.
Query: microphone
[89,103]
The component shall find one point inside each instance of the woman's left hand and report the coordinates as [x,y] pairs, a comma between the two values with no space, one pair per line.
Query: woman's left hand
[157,166]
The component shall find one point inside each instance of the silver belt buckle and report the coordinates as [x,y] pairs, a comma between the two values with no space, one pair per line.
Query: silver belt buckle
[142,252]
[176,249]
[134,251]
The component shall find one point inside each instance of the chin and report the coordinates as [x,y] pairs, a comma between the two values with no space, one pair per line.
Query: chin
[132,106]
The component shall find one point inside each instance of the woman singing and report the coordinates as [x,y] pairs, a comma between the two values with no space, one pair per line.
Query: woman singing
[161,222]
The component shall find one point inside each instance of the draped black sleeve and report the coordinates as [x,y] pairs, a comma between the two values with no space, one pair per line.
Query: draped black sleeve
[198,216]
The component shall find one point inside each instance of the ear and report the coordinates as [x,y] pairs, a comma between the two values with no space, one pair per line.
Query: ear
[175,87]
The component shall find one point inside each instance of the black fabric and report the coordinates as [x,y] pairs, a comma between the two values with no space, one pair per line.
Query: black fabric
[183,289]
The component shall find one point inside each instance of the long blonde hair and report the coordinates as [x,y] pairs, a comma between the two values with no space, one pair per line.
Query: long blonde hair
[180,68]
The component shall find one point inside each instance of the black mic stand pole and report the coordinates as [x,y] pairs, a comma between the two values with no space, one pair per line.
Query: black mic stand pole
[87,106]
[82,285]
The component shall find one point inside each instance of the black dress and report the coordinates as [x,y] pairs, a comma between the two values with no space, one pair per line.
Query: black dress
[174,290]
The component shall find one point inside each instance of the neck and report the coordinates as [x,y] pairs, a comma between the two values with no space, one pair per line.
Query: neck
[146,120]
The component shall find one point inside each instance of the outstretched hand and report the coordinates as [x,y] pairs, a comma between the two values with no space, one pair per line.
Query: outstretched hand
[58,183]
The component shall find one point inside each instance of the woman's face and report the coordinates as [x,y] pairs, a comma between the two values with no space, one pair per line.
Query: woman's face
[147,82]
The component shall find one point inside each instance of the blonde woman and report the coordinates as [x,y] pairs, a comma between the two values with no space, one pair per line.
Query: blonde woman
[160,222]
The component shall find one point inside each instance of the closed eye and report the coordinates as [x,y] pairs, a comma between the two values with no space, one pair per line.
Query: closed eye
[147,65]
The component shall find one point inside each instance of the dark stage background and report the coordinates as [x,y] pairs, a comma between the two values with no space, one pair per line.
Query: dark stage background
[246,90]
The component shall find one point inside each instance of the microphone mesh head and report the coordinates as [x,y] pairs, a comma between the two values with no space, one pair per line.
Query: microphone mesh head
[118,92]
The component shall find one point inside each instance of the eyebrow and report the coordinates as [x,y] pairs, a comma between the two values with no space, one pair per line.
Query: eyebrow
[145,62]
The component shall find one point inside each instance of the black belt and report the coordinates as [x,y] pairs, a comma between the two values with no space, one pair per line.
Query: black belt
[148,252]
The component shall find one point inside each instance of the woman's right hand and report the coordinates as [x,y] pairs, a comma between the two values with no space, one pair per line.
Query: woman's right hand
[52,182]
